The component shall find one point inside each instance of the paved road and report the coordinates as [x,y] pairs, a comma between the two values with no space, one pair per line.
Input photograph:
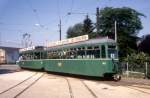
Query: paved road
[33,84]
[8,68]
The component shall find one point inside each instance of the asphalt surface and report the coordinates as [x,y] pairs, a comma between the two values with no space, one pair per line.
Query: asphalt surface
[9,68]
[17,83]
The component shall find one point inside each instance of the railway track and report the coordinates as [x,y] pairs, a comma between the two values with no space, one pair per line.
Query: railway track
[70,88]
[16,90]
[19,90]
[90,90]
[85,85]
[17,84]
[140,87]
[137,88]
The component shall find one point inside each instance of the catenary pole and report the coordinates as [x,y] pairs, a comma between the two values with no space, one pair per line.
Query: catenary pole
[115,31]
[59,30]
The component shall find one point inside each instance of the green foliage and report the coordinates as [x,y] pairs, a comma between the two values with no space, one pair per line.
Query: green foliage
[137,58]
[74,31]
[128,26]
[145,44]
[137,62]
[81,29]
[88,26]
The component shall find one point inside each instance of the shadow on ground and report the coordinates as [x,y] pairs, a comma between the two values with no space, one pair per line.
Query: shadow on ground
[81,76]
[98,80]
[5,71]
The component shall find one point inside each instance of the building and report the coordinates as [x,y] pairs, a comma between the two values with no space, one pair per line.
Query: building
[8,55]
[2,56]
[9,52]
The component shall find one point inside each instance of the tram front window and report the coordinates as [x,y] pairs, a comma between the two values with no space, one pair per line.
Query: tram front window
[112,52]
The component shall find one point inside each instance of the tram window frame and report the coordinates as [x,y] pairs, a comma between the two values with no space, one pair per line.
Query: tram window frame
[37,55]
[44,55]
[97,51]
[92,53]
[49,54]
[25,56]
[63,53]
[103,51]
[88,52]
[81,52]
[112,52]
[73,53]
[68,54]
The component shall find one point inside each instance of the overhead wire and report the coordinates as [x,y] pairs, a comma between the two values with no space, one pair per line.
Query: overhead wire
[9,24]
[58,9]
[35,12]
[71,8]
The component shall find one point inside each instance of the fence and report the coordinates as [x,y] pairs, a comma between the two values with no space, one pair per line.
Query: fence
[135,70]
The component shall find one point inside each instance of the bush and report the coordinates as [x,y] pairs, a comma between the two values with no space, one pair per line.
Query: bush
[137,62]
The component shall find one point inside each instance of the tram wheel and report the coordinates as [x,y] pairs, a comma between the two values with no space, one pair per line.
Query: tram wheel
[116,77]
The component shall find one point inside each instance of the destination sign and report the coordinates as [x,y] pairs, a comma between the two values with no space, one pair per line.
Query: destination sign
[26,49]
[68,41]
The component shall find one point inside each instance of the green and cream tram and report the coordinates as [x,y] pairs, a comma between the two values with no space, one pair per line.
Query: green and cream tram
[79,55]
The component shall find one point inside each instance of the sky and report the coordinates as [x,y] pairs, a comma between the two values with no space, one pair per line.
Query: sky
[40,18]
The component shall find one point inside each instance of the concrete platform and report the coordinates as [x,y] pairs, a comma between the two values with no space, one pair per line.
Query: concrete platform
[33,84]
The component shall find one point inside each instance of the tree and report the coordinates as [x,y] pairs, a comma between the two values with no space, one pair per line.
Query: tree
[88,27]
[145,44]
[81,29]
[128,26]
[70,32]
[74,31]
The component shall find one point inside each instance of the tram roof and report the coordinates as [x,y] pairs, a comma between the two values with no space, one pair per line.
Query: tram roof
[87,42]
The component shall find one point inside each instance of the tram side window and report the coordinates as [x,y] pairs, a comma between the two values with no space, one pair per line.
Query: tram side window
[68,54]
[103,52]
[112,52]
[89,52]
[73,53]
[25,56]
[37,55]
[49,54]
[53,55]
[43,55]
[81,53]
[96,52]
[93,52]
[63,54]
[30,56]
[21,56]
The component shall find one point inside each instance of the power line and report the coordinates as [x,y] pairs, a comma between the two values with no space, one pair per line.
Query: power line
[2,23]
[71,8]
[58,9]
[59,25]
[72,4]
[4,29]
[34,11]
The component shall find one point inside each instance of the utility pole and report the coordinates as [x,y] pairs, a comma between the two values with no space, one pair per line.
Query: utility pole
[97,20]
[127,69]
[59,25]
[115,31]
[146,69]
